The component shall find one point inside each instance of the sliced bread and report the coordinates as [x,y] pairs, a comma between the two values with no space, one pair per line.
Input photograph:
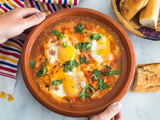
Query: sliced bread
[147,78]
[149,15]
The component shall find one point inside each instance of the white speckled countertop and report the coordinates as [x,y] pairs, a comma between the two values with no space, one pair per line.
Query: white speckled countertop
[136,106]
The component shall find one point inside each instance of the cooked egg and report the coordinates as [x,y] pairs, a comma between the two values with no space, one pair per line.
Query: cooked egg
[55,51]
[71,83]
[101,50]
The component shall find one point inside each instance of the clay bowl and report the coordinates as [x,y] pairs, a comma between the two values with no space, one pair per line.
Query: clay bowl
[86,109]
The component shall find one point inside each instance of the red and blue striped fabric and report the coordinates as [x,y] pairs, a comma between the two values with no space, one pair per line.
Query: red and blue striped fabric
[46,6]
[10,53]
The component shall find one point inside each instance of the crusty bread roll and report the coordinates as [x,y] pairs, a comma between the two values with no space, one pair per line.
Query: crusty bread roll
[147,78]
[129,8]
[149,15]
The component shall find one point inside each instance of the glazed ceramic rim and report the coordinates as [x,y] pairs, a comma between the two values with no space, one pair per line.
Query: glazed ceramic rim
[36,94]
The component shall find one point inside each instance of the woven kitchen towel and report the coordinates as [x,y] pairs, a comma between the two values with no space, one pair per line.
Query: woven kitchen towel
[47,6]
[10,51]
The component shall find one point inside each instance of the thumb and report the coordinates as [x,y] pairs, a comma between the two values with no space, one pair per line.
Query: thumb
[110,112]
[33,20]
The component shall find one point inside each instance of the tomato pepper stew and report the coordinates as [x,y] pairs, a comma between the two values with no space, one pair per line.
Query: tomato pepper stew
[75,60]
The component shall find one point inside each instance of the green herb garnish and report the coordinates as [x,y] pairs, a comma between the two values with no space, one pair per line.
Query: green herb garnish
[95,36]
[59,35]
[116,72]
[84,93]
[108,67]
[42,71]
[109,73]
[32,64]
[81,25]
[83,31]
[80,28]
[83,46]
[69,65]
[64,45]
[94,78]
[102,85]
[57,82]
[55,32]
[97,73]
[83,60]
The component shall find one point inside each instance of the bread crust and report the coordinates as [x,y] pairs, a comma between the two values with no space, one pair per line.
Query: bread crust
[129,8]
[149,15]
[147,78]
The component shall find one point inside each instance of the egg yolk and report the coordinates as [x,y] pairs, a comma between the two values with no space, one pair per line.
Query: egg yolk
[65,54]
[103,47]
[69,85]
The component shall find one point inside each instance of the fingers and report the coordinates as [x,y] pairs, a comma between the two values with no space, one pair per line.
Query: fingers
[33,20]
[110,112]
[25,12]
[119,116]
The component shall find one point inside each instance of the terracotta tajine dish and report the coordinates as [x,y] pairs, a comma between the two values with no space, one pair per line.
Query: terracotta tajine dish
[127,65]
[133,25]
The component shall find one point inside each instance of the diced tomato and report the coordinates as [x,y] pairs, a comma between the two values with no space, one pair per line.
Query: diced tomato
[104,70]
[89,75]
[63,28]
[72,100]
[88,26]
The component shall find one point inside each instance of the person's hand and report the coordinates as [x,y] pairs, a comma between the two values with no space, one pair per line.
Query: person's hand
[17,20]
[113,112]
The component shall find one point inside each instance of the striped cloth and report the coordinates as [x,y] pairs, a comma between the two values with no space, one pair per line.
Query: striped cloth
[10,51]
[47,6]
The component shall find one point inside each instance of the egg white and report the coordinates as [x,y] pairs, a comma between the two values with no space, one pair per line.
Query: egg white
[94,48]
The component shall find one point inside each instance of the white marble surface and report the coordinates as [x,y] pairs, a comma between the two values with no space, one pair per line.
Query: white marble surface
[136,106]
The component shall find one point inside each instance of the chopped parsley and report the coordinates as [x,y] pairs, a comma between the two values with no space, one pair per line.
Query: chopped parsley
[102,85]
[55,32]
[59,35]
[94,78]
[69,65]
[64,45]
[32,64]
[116,72]
[108,67]
[57,82]
[80,28]
[83,60]
[83,46]
[84,93]
[109,73]
[96,73]
[95,36]
[42,71]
